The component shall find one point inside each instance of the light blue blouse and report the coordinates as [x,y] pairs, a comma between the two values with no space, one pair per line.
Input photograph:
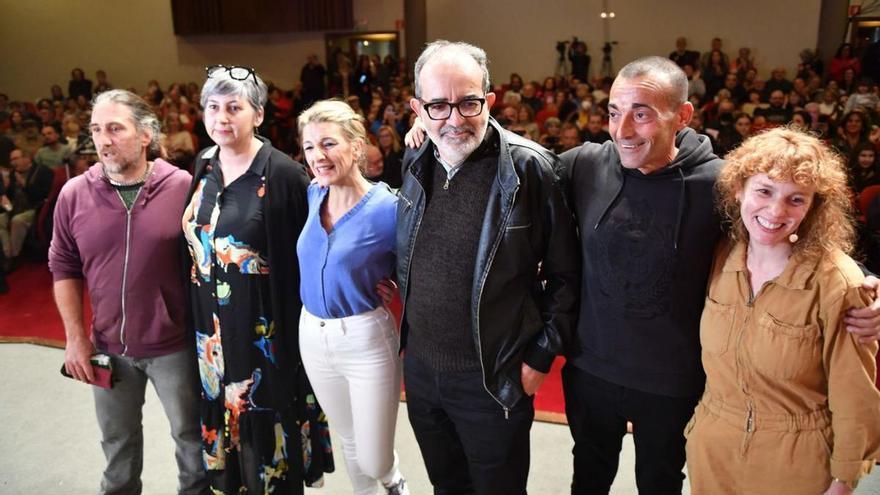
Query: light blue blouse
[339,270]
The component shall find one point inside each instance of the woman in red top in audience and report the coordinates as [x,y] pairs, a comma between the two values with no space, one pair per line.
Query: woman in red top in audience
[844,59]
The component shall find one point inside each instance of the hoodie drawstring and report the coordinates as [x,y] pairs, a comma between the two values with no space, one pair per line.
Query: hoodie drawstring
[610,203]
[681,200]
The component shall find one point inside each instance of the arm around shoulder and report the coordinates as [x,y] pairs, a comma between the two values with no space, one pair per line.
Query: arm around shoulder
[560,274]
[853,398]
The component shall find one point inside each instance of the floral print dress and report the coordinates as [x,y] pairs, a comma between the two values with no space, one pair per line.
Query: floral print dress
[247,425]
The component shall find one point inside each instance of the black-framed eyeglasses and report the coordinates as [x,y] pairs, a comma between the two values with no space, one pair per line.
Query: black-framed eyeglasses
[237,72]
[442,110]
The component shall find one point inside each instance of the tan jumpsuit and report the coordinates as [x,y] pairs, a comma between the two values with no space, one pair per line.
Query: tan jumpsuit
[790,400]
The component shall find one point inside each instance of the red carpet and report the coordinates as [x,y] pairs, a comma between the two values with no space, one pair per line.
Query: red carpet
[28,314]
[27,311]
[549,402]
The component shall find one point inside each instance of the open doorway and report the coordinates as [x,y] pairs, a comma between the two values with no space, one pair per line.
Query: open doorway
[358,62]
[865,30]
[349,48]
[381,43]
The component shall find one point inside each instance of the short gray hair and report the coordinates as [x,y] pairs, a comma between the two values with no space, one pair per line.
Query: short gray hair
[441,47]
[144,117]
[659,68]
[221,83]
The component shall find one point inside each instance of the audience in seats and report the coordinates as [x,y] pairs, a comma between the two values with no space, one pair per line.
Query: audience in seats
[863,171]
[682,56]
[392,156]
[569,137]
[863,99]
[79,85]
[844,59]
[706,58]
[595,131]
[743,63]
[778,113]
[28,138]
[839,104]
[53,153]
[102,83]
[26,187]
[179,144]
[852,132]
[778,82]
[714,71]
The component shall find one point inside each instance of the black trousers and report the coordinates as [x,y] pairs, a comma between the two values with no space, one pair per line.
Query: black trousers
[597,413]
[468,445]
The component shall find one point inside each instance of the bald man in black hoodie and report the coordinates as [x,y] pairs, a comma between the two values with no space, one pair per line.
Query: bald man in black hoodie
[648,228]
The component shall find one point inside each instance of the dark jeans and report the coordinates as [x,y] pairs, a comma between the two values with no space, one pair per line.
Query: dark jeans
[468,445]
[597,413]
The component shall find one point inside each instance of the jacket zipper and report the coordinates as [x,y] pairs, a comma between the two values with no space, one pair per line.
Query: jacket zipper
[480,297]
[412,248]
[125,262]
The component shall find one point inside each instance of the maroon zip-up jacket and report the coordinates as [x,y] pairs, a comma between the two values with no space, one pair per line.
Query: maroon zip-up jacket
[130,260]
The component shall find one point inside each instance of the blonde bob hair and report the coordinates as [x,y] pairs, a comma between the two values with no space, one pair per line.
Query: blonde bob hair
[786,154]
[334,112]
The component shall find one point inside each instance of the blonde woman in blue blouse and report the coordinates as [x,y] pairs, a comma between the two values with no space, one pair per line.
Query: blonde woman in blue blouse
[348,339]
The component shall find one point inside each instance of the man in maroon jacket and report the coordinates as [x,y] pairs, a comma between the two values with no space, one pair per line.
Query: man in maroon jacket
[118,227]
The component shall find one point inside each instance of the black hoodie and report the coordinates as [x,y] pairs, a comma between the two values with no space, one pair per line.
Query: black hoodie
[647,243]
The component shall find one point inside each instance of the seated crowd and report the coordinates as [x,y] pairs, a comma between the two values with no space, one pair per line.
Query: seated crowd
[732,98]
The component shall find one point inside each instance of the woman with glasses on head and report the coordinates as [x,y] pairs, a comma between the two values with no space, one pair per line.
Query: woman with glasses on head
[246,207]
[348,338]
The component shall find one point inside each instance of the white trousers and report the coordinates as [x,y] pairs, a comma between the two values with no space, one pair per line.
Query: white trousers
[353,366]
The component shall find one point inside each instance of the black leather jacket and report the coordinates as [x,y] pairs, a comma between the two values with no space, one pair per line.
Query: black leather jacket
[527,273]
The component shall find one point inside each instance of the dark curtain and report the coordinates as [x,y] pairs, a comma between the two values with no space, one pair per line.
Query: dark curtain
[195,16]
[260,16]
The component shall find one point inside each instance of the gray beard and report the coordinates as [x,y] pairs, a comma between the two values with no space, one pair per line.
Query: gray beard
[459,152]
[118,169]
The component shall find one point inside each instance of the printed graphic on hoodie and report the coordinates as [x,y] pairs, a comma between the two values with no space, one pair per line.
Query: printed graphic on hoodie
[636,260]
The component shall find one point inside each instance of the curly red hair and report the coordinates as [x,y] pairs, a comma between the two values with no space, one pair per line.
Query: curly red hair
[786,154]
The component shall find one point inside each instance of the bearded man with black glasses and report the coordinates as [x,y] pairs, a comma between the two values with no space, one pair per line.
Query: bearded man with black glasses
[489,273]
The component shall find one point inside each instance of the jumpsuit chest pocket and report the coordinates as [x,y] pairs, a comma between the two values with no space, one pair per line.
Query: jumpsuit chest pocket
[784,350]
[716,325]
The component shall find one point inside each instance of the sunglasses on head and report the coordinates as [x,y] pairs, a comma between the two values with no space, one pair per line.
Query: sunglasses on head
[237,72]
